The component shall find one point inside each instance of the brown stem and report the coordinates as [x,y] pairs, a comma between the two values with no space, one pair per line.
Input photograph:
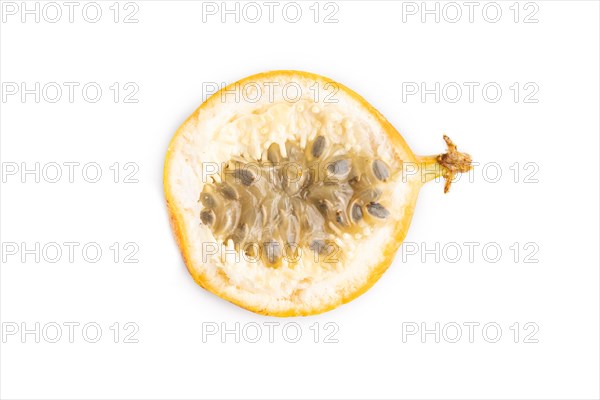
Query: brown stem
[446,165]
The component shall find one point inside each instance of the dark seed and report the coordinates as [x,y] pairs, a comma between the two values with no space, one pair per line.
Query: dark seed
[318,146]
[240,234]
[207,217]
[207,200]
[273,153]
[339,167]
[380,170]
[318,246]
[357,212]
[246,177]
[377,210]
[340,218]
[251,249]
[228,191]
[322,206]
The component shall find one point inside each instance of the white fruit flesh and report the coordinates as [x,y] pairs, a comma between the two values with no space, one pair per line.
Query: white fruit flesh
[224,129]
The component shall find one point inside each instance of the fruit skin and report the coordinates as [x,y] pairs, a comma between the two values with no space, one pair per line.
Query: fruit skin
[400,228]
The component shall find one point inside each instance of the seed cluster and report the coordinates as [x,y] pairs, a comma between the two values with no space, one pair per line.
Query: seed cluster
[270,208]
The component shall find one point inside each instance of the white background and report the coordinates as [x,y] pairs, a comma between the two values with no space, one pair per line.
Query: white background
[169,54]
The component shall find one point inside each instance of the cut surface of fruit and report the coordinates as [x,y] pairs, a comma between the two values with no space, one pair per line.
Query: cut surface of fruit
[289,194]
[279,208]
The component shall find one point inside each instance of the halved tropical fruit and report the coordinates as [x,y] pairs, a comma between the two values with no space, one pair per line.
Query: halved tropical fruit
[289,194]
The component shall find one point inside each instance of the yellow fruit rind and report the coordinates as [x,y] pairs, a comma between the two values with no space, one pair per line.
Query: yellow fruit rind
[400,230]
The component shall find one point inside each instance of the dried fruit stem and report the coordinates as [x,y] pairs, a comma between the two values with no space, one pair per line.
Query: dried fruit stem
[447,165]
